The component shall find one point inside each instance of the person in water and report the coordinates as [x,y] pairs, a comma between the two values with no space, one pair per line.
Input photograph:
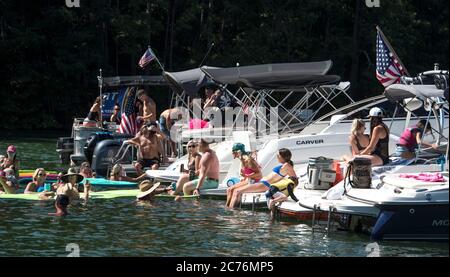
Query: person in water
[193,169]
[6,187]
[279,174]
[93,116]
[118,174]
[378,149]
[11,161]
[149,190]
[250,170]
[411,139]
[70,186]
[208,173]
[37,184]
[61,203]
[150,148]
[358,140]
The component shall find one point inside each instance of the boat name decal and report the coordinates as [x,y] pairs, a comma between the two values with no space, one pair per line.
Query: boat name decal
[440,223]
[303,142]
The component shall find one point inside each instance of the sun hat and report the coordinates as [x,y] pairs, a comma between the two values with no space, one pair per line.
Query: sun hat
[149,191]
[145,185]
[72,172]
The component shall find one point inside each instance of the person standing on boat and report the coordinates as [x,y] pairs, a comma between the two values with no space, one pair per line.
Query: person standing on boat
[277,177]
[250,170]
[378,149]
[115,117]
[149,107]
[208,173]
[412,138]
[11,161]
[93,116]
[150,148]
[166,120]
[193,170]
[358,140]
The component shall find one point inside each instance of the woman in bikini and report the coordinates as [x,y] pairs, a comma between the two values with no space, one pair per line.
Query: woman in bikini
[279,173]
[358,140]
[250,170]
[193,167]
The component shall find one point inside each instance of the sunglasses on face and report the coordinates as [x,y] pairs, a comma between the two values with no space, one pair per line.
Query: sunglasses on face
[191,146]
[42,174]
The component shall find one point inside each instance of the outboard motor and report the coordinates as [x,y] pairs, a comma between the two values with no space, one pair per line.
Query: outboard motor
[92,141]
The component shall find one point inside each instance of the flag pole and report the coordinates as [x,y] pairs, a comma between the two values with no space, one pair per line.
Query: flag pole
[156,57]
[392,50]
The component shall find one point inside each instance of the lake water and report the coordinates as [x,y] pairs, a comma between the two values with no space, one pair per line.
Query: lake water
[205,227]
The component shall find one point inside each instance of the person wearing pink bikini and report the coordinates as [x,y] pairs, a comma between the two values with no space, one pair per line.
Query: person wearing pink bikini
[250,170]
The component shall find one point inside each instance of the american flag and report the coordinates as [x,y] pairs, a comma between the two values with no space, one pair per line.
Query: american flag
[128,124]
[147,58]
[389,68]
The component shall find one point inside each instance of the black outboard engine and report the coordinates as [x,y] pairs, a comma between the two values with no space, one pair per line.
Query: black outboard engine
[93,141]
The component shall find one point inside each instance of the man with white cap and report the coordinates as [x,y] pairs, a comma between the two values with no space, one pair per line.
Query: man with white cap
[378,149]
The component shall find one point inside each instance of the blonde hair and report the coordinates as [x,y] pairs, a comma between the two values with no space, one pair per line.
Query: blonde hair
[36,172]
[117,168]
[356,125]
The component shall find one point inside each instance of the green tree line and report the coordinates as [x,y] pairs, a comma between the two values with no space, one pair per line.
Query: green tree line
[50,54]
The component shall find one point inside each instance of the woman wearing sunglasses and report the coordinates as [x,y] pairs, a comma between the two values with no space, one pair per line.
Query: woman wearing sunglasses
[192,172]
[37,185]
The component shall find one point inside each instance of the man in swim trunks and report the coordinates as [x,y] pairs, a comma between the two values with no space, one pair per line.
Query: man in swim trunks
[209,171]
[150,149]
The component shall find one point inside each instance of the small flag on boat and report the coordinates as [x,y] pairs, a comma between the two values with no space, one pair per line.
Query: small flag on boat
[147,58]
[129,124]
[389,67]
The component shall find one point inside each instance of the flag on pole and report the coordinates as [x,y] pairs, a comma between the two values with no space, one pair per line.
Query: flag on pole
[389,67]
[147,58]
[129,124]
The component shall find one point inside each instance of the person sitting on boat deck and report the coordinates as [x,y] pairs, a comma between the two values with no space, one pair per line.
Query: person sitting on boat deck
[411,138]
[11,161]
[148,107]
[37,184]
[61,203]
[378,149]
[166,120]
[208,173]
[278,174]
[358,140]
[193,169]
[280,191]
[150,148]
[115,117]
[212,94]
[70,186]
[6,187]
[250,170]
[93,116]
[118,174]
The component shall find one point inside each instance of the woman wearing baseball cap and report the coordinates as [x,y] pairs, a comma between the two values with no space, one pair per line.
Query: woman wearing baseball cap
[378,149]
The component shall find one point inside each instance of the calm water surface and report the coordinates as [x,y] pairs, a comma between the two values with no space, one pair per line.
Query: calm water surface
[121,227]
